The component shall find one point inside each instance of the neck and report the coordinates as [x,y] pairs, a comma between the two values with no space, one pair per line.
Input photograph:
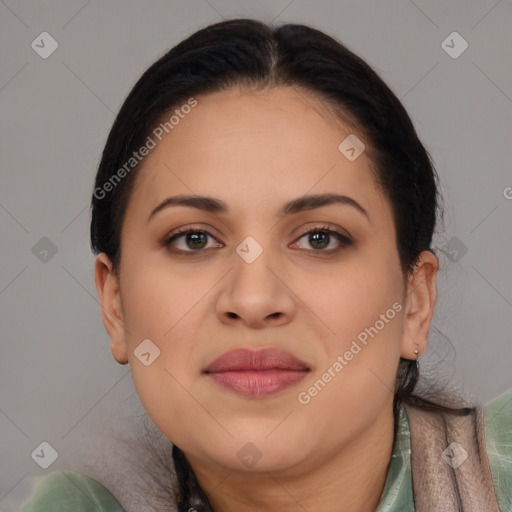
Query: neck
[350,480]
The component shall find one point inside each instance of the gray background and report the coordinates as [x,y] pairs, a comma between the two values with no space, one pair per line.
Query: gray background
[58,381]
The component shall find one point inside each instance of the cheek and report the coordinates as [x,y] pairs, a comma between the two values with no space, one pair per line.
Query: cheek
[355,376]
[354,300]
[165,307]
[154,299]
[363,312]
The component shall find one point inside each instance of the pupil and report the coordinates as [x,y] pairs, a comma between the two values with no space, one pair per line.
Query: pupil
[314,239]
[195,238]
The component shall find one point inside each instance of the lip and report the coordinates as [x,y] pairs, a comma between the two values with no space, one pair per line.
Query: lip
[256,374]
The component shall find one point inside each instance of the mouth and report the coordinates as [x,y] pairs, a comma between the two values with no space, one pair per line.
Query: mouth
[256,374]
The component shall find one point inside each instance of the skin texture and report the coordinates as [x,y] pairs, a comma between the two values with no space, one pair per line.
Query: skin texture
[256,150]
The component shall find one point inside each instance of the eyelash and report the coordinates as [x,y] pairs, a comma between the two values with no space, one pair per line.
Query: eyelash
[181,232]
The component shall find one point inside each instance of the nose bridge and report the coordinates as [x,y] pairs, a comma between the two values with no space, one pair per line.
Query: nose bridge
[253,264]
[255,291]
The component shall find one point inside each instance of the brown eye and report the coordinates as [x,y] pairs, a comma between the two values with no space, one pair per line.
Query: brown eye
[321,238]
[196,240]
[190,240]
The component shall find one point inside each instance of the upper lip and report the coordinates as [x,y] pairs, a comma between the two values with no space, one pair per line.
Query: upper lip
[264,359]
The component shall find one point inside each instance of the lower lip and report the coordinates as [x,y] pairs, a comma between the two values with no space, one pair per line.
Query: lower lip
[258,384]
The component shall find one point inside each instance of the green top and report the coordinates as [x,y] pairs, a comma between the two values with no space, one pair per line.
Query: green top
[62,491]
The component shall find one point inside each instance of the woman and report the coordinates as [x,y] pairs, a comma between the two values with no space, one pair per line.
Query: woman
[263,216]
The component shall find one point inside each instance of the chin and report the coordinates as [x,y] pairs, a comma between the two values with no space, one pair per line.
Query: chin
[257,453]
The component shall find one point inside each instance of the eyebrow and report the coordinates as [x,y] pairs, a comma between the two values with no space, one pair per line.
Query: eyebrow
[210,204]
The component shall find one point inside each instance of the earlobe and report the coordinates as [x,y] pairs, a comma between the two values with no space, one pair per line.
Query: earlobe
[420,305]
[107,286]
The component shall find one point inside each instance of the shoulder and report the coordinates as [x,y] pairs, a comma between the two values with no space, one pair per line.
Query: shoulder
[498,440]
[62,491]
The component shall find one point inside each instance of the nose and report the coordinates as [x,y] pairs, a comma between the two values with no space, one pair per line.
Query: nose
[256,294]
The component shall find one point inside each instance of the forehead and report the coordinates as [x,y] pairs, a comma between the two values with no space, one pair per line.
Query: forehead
[254,148]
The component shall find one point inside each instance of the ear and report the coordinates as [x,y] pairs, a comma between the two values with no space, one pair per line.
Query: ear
[107,286]
[419,305]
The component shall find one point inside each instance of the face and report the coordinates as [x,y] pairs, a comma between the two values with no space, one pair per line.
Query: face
[320,281]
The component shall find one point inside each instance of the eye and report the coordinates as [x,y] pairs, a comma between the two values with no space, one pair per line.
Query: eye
[321,237]
[192,240]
